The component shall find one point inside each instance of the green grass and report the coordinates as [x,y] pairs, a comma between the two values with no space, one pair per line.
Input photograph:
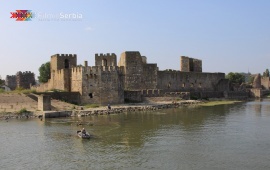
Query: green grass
[55,90]
[215,103]
[25,91]
[91,105]
[18,90]
[22,111]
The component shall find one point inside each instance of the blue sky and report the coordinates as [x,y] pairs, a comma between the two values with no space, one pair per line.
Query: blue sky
[227,35]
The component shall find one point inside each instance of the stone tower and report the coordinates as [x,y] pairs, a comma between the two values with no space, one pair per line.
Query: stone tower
[61,66]
[105,59]
[190,64]
[63,61]
[25,79]
[11,82]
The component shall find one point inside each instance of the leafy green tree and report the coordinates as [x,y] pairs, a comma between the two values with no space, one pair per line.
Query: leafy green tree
[250,79]
[2,82]
[236,77]
[44,72]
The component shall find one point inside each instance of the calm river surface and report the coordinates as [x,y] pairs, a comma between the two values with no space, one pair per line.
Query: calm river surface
[220,137]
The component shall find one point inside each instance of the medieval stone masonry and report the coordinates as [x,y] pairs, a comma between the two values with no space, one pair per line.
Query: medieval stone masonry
[21,79]
[109,82]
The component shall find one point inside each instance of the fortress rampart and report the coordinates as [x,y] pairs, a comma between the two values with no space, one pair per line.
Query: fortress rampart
[133,78]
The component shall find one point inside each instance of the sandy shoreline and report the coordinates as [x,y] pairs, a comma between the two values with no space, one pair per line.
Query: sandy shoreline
[83,111]
[115,109]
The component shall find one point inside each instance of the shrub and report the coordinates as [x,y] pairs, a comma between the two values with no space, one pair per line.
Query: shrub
[2,90]
[194,98]
[23,110]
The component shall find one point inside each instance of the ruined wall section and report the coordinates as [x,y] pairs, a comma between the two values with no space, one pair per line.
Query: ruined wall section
[190,64]
[257,81]
[265,82]
[197,65]
[171,81]
[184,64]
[105,59]
[11,82]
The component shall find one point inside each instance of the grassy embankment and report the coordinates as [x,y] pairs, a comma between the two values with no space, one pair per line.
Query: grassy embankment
[18,90]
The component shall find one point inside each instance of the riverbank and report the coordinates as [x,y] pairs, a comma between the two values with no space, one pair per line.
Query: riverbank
[134,107]
[115,109]
[82,111]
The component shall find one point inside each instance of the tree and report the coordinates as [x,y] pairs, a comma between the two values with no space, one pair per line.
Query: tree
[266,73]
[44,72]
[250,79]
[235,77]
[2,82]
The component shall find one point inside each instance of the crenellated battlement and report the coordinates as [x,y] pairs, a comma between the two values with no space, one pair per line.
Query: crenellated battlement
[11,76]
[105,55]
[99,69]
[132,53]
[108,59]
[59,72]
[25,73]
[64,55]
[77,69]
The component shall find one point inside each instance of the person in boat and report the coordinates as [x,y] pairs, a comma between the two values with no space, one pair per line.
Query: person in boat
[83,131]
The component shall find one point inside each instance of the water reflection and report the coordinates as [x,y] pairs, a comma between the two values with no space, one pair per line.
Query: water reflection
[220,137]
[133,129]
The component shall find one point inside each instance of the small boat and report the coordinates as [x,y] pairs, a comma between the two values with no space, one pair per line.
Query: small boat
[83,136]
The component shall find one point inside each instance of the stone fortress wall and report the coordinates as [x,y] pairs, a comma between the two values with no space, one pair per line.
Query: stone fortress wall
[108,83]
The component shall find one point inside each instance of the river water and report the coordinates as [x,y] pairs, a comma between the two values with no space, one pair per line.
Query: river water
[220,137]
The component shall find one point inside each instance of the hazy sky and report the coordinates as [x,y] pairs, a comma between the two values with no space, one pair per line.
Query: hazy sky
[228,35]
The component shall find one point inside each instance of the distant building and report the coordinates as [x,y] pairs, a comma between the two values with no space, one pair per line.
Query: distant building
[11,82]
[21,79]
[6,88]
